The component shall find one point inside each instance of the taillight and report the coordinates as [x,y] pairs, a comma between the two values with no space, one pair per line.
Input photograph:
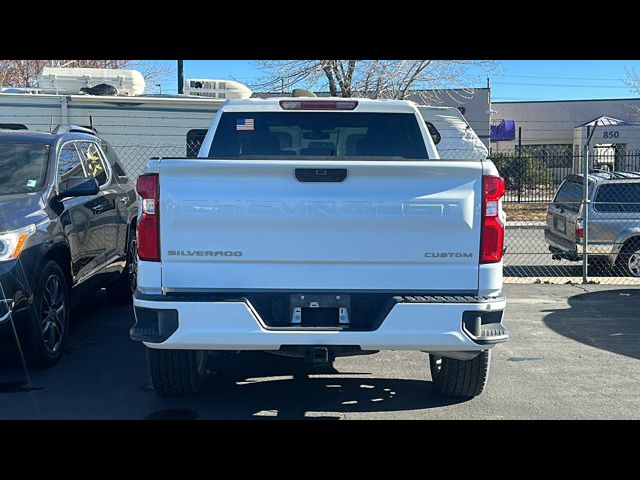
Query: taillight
[579,228]
[318,104]
[492,236]
[148,232]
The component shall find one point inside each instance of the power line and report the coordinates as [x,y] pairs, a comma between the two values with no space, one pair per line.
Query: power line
[565,85]
[559,78]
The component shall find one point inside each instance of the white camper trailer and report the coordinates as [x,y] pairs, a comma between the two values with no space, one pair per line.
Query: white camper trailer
[137,126]
[74,80]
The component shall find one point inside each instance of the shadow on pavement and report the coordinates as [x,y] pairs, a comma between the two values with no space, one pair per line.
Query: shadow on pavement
[260,385]
[607,319]
[103,374]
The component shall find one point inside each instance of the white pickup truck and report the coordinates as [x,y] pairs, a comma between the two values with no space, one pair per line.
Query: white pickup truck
[320,228]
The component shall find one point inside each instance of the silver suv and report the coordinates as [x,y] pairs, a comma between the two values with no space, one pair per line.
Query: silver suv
[614,221]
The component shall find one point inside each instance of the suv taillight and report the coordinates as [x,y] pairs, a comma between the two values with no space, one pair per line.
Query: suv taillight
[148,232]
[579,228]
[492,236]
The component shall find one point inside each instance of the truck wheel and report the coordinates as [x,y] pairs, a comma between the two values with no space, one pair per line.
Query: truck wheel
[460,378]
[121,291]
[176,372]
[50,318]
[629,259]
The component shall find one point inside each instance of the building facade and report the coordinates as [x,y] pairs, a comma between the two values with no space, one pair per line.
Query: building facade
[565,125]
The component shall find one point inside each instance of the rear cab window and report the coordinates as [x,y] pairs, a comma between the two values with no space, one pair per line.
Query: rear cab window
[336,135]
[569,196]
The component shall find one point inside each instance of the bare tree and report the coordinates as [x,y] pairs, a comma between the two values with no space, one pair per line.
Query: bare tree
[24,73]
[633,80]
[372,78]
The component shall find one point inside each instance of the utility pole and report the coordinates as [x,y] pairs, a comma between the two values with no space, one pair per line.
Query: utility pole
[180,76]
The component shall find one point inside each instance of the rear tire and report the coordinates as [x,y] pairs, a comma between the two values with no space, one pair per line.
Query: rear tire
[629,259]
[121,291]
[176,372]
[460,378]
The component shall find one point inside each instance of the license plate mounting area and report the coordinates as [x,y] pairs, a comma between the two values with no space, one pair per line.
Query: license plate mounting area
[320,310]
[560,224]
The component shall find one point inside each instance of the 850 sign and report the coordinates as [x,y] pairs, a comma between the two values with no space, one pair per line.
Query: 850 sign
[611,134]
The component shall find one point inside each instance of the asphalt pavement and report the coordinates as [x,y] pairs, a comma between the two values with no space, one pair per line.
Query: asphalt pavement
[574,353]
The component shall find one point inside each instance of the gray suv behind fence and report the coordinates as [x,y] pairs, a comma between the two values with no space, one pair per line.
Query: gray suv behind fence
[614,222]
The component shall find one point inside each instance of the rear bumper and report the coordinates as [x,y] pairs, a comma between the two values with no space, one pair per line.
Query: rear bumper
[235,325]
[569,250]
[560,246]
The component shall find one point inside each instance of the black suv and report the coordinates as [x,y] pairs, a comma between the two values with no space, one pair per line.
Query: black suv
[67,225]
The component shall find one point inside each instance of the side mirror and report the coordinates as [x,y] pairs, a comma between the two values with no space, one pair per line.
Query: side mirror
[78,187]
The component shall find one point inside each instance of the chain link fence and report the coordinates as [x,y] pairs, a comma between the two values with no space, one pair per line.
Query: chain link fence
[547,221]
[133,158]
[544,238]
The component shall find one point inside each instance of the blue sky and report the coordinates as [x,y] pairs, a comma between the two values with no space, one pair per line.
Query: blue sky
[516,80]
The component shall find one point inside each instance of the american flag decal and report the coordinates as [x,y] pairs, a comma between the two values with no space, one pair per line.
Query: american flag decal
[244,124]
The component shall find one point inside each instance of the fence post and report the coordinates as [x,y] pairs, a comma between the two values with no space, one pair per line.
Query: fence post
[520,166]
[585,212]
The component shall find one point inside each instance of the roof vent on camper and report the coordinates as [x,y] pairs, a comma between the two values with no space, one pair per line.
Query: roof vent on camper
[302,92]
[73,81]
[222,89]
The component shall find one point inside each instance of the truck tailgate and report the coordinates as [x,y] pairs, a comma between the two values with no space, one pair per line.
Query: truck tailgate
[251,224]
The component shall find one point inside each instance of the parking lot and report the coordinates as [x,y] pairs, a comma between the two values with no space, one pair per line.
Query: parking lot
[574,353]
